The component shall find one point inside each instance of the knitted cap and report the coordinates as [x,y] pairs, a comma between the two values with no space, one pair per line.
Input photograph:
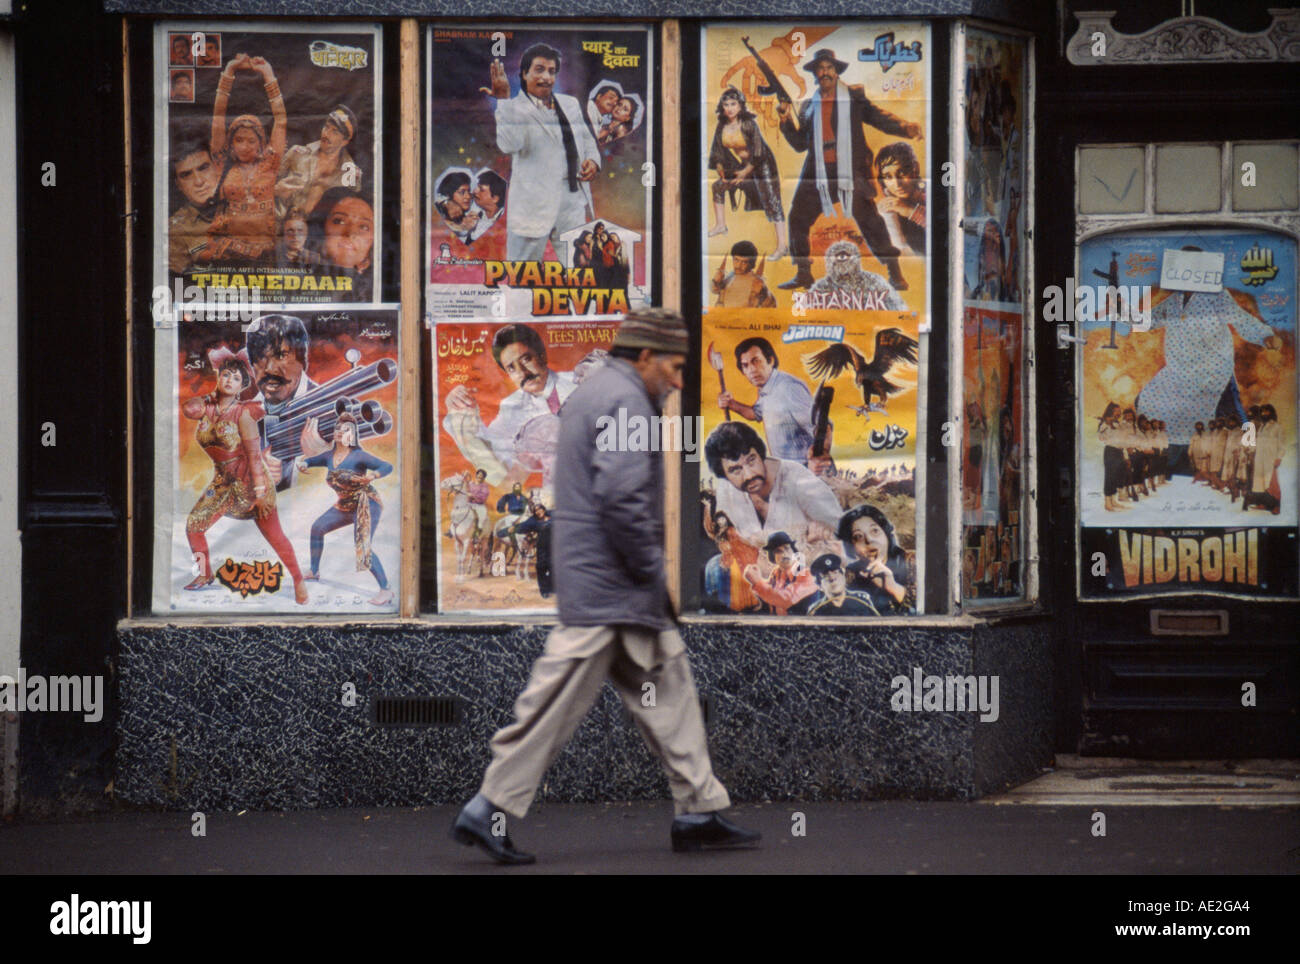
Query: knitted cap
[659,329]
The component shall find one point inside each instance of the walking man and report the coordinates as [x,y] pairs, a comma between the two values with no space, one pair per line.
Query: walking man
[616,620]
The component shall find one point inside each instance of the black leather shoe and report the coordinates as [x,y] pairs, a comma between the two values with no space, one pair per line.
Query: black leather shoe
[713,833]
[470,830]
[800,280]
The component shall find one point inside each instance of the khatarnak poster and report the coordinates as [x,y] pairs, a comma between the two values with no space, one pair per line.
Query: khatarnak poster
[500,386]
[993,344]
[540,172]
[807,481]
[1188,413]
[269,176]
[278,489]
[815,171]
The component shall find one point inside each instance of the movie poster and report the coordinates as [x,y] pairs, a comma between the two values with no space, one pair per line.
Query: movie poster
[816,278]
[816,167]
[993,345]
[540,173]
[283,465]
[807,475]
[992,443]
[1187,415]
[500,385]
[269,175]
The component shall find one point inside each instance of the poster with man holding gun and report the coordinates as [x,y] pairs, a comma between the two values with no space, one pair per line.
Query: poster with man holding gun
[284,476]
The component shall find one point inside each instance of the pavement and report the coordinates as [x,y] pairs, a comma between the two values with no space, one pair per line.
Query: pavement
[883,837]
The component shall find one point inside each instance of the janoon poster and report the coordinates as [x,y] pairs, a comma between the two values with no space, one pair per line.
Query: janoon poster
[808,464]
[1187,413]
[539,175]
[280,490]
[500,388]
[269,177]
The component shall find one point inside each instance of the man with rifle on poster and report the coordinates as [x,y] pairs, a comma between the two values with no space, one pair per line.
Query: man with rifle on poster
[839,166]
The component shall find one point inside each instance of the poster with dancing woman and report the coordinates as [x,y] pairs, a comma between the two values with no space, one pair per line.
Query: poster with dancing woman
[269,181]
[540,171]
[277,454]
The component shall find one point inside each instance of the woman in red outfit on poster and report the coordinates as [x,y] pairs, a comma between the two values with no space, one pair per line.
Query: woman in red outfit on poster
[245,230]
[241,486]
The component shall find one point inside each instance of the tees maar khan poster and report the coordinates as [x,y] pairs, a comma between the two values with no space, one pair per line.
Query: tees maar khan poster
[500,388]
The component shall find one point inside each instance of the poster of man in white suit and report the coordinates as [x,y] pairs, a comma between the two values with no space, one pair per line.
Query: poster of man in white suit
[513,100]
[553,155]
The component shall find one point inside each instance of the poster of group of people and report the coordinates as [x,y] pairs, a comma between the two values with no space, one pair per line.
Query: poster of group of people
[271,178]
[278,488]
[540,172]
[1188,416]
[808,463]
[992,338]
[815,240]
[499,391]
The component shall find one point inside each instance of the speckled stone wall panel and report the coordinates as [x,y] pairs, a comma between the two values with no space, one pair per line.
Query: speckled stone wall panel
[1008,10]
[258,720]
[1014,748]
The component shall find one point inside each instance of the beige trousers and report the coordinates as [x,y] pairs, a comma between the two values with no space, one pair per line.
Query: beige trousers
[564,683]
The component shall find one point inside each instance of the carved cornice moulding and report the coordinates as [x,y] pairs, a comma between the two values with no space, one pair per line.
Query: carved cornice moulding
[1183,40]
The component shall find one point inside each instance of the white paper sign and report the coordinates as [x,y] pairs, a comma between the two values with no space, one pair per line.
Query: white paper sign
[1192,271]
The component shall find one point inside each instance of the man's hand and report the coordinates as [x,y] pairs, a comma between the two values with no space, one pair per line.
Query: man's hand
[311,441]
[819,464]
[752,574]
[915,131]
[588,170]
[461,399]
[724,401]
[500,87]
[783,109]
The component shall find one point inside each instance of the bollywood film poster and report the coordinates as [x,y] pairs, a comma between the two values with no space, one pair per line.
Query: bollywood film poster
[1187,446]
[268,179]
[500,385]
[993,345]
[815,166]
[278,488]
[808,465]
[815,278]
[540,174]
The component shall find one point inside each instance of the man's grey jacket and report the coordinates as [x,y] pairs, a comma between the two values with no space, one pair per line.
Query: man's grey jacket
[608,521]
